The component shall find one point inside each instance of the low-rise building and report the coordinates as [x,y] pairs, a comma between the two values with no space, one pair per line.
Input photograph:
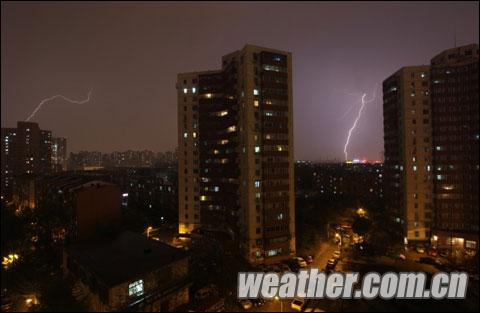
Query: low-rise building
[129,273]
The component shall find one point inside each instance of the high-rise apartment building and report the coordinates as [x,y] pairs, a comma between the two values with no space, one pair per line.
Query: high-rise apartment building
[25,150]
[59,154]
[431,135]
[235,153]
[8,135]
[455,113]
[407,140]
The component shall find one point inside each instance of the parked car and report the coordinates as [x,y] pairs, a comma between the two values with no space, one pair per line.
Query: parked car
[309,259]
[443,254]
[293,265]
[274,268]
[246,304]
[261,268]
[427,260]
[420,249]
[298,304]
[432,252]
[258,302]
[284,267]
[331,263]
[401,256]
[336,254]
[301,262]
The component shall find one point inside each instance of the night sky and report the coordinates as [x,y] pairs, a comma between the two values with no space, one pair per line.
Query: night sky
[130,54]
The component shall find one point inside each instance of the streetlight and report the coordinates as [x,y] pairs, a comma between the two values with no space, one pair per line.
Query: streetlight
[281,303]
[361,212]
[9,260]
[149,229]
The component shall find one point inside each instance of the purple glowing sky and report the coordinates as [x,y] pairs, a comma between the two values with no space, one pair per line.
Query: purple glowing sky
[130,54]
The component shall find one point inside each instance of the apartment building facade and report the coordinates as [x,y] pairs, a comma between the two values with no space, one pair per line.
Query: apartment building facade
[407,143]
[235,155]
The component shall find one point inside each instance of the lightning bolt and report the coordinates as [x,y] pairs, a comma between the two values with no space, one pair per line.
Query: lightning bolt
[39,106]
[359,115]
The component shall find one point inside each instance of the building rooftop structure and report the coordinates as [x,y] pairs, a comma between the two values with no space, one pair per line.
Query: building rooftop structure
[125,258]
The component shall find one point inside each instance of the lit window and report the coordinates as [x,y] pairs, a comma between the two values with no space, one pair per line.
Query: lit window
[208,95]
[194,135]
[255,92]
[135,288]
[185,135]
[194,89]
[423,75]
[257,195]
[255,103]
[257,149]
[231,129]
[257,184]
[185,90]
[279,148]
[216,189]
[223,113]
[280,216]
[203,198]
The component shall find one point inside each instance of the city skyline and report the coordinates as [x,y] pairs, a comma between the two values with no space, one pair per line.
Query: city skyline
[132,67]
[240,157]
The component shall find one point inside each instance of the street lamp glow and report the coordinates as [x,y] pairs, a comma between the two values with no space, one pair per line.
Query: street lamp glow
[9,260]
[361,212]
[149,229]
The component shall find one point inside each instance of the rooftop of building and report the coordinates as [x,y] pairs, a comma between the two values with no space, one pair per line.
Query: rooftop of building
[127,257]
[246,47]
[460,54]
[66,181]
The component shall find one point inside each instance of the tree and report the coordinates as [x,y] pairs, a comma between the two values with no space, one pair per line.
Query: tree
[57,297]
[361,226]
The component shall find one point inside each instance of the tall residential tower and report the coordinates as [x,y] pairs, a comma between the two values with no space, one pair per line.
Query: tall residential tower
[408,159]
[455,113]
[431,136]
[235,155]
[25,150]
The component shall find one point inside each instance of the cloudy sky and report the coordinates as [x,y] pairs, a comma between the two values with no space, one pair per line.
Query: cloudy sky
[130,53]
